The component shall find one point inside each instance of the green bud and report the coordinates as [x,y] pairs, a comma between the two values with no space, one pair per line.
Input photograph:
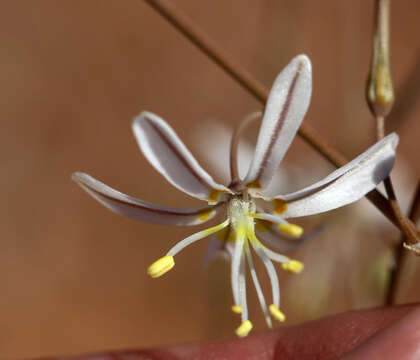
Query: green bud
[379,89]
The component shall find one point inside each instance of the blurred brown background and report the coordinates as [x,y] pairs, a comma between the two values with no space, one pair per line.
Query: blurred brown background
[73,75]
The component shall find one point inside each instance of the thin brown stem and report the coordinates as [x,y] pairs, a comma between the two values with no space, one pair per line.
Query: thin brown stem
[400,254]
[380,127]
[408,227]
[182,23]
[405,224]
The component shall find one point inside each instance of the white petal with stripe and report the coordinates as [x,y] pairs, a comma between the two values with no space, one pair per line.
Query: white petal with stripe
[168,155]
[345,185]
[141,210]
[286,106]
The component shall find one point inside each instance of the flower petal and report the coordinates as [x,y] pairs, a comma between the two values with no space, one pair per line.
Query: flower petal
[168,155]
[286,106]
[345,185]
[141,210]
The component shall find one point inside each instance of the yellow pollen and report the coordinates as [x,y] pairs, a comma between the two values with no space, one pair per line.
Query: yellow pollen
[276,313]
[214,196]
[290,230]
[161,266]
[254,185]
[205,215]
[244,329]
[280,206]
[237,309]
[293,266]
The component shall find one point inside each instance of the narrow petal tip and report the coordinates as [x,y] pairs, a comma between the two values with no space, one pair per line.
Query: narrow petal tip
[140,117]
[303,60]
[394,139]
[77,176]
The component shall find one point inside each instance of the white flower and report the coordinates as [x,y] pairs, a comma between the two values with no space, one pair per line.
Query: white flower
[241,200]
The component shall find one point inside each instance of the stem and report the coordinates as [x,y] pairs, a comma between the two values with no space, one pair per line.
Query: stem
[182,23]
[380,127]
[405,224]
[400,254]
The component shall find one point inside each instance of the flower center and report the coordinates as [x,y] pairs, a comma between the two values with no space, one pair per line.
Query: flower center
[238,211]
[240,224]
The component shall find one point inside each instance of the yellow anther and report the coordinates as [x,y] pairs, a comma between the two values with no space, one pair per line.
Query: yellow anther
[290,230]
[244,329]
[205,215]
[254,185]
[293,266]
[276,313]
[280,206]
[161,266]
[214,196]
[237,309]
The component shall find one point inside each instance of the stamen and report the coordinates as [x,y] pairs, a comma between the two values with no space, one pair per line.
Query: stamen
[272,274]
[273,255]
[284,227]
[244,329]
[257,286]
[236,262]
[276,313]
[197,236]
[293,266]
[268,217]
[242,289]
[290,230]
[161,266]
